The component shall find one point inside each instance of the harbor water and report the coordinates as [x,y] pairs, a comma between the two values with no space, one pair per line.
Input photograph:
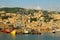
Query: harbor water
[44,36]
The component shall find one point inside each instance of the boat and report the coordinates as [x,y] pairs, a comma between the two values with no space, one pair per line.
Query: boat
[53,31]
[56,30]
[13,33]
[25,32]
[6,31]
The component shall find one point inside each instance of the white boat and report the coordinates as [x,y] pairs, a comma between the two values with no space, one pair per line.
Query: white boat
[56,30]
[26,31]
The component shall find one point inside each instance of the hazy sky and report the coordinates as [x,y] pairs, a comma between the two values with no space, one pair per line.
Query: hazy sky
[41,4]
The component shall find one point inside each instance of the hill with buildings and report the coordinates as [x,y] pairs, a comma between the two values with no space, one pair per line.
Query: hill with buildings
[29,19]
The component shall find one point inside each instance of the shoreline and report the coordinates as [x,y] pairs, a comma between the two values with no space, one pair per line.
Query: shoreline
[39,33]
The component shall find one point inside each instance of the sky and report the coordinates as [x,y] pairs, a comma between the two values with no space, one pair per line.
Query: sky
[32,4]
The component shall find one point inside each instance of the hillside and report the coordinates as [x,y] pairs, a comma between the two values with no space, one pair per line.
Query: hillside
[29,18]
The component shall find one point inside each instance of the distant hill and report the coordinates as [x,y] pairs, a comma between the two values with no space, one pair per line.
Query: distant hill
[16,9]
[10,10]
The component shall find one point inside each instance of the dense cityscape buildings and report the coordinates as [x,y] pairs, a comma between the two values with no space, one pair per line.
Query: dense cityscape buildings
[30,20]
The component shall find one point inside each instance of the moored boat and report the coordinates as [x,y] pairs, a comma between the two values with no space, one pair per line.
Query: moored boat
[6,31]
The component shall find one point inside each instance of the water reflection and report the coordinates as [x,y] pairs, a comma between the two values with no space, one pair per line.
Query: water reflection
[45,36]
